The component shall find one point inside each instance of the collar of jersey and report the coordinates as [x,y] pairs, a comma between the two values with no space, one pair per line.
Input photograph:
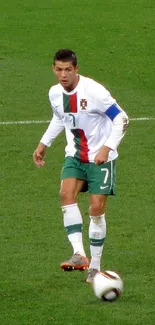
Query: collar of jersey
[74,90]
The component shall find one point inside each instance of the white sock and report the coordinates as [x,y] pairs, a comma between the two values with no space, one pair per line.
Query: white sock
[97,234]
[73,224]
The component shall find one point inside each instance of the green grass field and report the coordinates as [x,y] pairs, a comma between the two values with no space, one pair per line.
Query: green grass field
[115,45]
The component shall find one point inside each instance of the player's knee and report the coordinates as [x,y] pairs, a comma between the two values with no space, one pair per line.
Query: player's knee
[96,209]
[66,197]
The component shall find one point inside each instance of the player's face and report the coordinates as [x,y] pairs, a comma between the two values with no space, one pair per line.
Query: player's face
[66,74]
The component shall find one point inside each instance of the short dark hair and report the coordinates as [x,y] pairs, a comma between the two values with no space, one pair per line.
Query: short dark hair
[65,55]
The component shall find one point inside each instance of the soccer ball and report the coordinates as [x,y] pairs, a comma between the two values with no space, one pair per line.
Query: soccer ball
[107,285]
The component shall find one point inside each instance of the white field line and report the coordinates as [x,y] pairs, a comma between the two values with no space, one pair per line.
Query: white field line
[47,121]
[23,122]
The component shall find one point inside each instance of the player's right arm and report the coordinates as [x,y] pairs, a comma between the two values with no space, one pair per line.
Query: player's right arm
[55,127]
[38,155]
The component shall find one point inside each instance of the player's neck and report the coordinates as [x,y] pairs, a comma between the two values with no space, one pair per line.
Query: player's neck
[73,85]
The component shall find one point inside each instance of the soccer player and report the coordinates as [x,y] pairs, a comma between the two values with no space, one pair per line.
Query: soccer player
[94,125]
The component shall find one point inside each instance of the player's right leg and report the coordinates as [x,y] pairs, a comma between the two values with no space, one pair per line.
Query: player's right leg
[71,185]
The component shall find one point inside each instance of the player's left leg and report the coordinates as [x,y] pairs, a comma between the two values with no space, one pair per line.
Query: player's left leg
[101,184]
[97,232]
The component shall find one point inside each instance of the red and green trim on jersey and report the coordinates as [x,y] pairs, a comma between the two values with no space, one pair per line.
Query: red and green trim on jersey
[81,145]
[80,140]
[70,103]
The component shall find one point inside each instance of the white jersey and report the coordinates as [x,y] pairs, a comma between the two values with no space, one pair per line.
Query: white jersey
[91,119]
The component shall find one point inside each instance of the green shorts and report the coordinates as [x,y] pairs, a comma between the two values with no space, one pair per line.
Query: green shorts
[100,179]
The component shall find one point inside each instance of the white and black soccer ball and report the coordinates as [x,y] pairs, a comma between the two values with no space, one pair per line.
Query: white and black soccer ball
[107,285]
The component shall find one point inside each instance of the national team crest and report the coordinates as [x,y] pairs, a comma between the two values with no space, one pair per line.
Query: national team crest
[83,103]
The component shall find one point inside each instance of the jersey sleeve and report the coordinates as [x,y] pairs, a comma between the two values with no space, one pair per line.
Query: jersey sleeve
[55,127]
[119,127]
[107,105]
[119,121]
[100,96]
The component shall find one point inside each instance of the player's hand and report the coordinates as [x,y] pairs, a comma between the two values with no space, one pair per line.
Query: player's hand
[102,155]
[38,155]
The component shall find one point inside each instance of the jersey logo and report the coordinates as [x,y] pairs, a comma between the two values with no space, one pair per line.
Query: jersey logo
[83,103]
[103,187]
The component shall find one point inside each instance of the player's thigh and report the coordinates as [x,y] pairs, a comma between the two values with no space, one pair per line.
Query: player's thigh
[97,204]
[69,190]
[73,179]
[72,168]
[102,178]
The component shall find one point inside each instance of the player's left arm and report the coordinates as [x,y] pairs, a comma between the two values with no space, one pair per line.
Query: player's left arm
[107,105]
[120,122]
